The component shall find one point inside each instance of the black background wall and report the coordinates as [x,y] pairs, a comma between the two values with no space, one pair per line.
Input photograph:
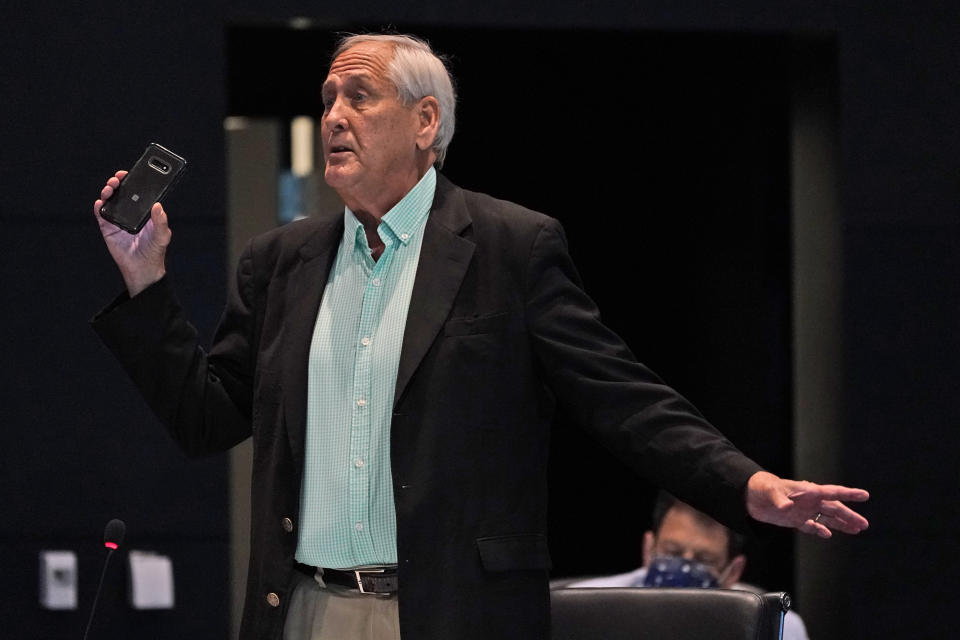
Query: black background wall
[84,86]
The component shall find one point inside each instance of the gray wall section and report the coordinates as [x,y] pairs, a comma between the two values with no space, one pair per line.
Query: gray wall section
[816,234]
[253,159]
[81,81]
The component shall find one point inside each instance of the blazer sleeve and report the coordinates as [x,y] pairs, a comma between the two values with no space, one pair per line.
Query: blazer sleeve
[599,382]
[203,399]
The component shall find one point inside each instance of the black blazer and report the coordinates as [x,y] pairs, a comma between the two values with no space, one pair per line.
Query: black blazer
[499,333]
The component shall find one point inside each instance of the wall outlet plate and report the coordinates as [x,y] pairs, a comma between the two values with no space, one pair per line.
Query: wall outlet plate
[151,580]
[58,579]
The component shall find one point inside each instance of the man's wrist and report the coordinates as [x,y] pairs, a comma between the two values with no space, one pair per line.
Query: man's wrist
[136,285]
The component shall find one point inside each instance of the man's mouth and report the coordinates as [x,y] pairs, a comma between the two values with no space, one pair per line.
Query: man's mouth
[339,148]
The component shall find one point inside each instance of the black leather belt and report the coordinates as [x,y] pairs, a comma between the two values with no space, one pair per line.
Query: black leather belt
[374,580]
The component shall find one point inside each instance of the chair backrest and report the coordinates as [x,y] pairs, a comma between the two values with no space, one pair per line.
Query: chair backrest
[675,614]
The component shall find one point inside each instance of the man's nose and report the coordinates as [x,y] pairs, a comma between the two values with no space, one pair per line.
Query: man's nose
[689,556]
[335,117]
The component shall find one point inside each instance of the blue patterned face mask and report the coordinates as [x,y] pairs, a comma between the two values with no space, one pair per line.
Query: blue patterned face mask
[674,571]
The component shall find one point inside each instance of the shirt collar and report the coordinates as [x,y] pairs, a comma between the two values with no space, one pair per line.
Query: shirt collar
[405,219]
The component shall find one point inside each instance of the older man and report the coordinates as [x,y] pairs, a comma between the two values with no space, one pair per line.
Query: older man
[398,364]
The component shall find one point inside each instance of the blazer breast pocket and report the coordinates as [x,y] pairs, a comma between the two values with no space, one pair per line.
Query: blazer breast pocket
[503,322]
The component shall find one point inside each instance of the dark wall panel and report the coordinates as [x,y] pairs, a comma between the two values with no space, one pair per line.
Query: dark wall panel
[80,447]
[88,85]
[902,328]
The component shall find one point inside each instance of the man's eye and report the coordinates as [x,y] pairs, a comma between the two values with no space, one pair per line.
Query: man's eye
[359,97]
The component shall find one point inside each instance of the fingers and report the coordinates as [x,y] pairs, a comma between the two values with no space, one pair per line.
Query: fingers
[159,218]
[114,182]
[834,516]
[816,529]
[809,490]
[108,189]
[834,513]
[819,510]
[847,494]
[839,516]
[105,227]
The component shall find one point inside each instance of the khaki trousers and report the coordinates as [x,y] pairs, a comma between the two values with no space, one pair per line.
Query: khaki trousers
[321,612]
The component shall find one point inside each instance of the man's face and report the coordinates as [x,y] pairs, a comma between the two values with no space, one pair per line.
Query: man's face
[369,137]
[685,535]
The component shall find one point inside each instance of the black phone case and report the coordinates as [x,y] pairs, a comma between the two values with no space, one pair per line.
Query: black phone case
[151,178]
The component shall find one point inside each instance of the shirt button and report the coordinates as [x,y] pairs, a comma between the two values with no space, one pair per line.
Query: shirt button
[365,342]
[273,599]
[404,236]
[361,402]
[358,463]
[376,282]
[287,524]
[358,526]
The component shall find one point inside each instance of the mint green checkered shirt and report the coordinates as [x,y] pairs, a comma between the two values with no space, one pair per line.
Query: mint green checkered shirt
[347,515]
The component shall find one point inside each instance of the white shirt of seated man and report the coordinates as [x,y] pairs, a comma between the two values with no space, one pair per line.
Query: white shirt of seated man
[689,535]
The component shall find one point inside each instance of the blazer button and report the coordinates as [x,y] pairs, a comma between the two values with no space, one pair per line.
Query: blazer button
[287,524]
[273,599]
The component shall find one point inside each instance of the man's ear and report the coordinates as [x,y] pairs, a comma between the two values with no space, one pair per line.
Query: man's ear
[731,575]
[649,542]
[428,121]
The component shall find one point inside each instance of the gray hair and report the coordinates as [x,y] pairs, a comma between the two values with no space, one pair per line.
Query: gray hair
[416,71]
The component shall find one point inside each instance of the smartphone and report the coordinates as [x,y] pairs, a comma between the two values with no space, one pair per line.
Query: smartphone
[152,177]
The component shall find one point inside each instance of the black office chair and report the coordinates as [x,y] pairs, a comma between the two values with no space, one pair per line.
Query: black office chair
[674,614]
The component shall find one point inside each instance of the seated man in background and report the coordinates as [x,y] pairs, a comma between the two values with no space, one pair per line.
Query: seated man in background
[688,548]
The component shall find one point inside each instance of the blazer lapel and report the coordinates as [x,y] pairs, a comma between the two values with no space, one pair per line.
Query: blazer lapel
[304,291]
[444,258]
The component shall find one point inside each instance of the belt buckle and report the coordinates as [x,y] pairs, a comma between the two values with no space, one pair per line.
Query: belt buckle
[356,574]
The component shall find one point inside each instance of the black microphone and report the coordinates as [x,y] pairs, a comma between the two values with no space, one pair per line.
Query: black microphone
[112,539]
[113,535]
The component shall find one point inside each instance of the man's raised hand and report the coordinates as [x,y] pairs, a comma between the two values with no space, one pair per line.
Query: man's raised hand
[140,257]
